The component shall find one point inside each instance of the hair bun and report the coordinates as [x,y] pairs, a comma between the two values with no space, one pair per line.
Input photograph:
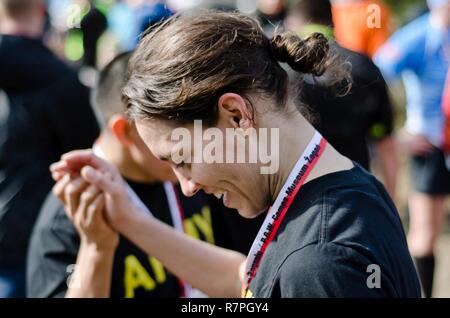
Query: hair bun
[307,56]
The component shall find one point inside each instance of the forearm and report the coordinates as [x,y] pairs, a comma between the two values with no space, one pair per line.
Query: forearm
[212,269]
[92,275]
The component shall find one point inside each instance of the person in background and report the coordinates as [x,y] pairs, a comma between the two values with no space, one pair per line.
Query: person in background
[271,13]
[45,112]
[361,25]
[128,19]
[151,13]
[118,267]
[327,221]
[364,114]
[446,110]
[93,25]
[420,52]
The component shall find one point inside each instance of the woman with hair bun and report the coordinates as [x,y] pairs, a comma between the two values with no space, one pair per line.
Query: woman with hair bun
[330,230]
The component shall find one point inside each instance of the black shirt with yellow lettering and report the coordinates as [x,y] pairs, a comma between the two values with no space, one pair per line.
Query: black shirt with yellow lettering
[55,242]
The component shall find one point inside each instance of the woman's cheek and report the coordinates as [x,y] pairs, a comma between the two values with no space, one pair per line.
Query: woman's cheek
[204,174]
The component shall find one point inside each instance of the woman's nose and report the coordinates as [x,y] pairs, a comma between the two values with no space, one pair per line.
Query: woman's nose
[189,187]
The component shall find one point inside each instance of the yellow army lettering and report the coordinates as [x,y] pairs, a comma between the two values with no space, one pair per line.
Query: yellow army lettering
[136,276]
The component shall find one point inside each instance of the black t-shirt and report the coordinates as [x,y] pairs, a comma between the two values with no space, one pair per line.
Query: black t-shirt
[348,121]
[45,114]
[55,243]
[341,236]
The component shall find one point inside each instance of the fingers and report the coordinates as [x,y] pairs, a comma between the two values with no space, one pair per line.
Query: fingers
[88,196]
[59,166]
[72,195]
[59,187]
[69,188]
[93,226]
[79,158]
[60,169]
[57,176]
[74,161]
[107,182]
[95,210]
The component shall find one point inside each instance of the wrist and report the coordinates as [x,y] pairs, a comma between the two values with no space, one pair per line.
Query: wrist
[137,224]
[127,221]
[100,247]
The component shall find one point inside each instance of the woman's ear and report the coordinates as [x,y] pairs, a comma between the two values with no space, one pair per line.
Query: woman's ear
[120,128]
[234,110]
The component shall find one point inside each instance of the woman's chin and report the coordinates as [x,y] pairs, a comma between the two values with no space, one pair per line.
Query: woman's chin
[248,212]
[244,208]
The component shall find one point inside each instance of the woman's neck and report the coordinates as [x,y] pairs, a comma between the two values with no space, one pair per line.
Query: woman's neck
[295,135]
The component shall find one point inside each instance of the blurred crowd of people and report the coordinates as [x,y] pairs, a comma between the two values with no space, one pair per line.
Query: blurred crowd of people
[56,95]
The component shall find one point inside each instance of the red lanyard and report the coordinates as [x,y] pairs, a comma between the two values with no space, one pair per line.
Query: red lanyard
[278,210]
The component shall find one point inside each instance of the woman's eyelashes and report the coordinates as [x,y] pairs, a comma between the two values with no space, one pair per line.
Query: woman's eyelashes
[179,165]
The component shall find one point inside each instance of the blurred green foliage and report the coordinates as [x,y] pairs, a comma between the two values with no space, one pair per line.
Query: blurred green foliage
[406,10]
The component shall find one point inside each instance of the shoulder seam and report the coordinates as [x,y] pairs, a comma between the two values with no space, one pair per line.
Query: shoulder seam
[285,259]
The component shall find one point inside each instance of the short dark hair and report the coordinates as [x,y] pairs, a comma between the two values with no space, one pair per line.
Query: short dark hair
[314,11]
[108,93]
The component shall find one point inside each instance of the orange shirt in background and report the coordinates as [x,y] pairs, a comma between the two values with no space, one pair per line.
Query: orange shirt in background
[354,26]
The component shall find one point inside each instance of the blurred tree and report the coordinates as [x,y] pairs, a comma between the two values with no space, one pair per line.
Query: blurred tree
[406,10]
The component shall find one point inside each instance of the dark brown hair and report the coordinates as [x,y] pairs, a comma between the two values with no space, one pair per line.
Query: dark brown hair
[182,66]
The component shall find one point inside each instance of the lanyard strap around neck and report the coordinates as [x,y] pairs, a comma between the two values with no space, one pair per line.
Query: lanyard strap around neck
[278,210]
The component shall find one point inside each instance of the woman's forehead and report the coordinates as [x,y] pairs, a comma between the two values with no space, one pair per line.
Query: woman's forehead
[156,135]
[154,128]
